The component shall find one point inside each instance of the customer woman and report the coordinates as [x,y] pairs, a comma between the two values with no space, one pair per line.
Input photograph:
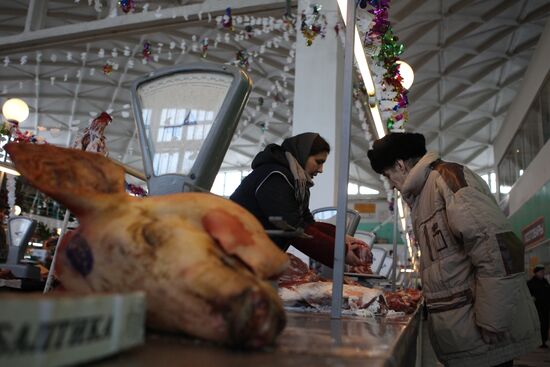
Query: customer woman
[279,185]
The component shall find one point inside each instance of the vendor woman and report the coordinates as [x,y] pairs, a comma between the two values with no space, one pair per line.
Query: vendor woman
[279,185]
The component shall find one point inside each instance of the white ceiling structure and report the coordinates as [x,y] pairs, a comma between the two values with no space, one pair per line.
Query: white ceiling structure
[469,58]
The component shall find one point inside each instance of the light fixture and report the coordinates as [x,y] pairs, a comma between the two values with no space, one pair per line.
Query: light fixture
[8,168]
[16,210]
[15,110]
[407,74]
[363,66]
[359,52]
[377,122]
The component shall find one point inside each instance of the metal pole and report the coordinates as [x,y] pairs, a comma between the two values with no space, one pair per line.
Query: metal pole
[52,266]
[395,225]
[343,167]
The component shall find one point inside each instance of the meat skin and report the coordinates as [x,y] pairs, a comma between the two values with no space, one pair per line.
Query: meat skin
[201,259]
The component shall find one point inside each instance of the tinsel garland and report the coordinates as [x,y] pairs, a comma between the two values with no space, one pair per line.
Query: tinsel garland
[384,48]
[10,187]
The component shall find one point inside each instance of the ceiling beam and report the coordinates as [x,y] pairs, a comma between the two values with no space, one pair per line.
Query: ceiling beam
[174,17]
[484,18]
[475,154]
[36,15]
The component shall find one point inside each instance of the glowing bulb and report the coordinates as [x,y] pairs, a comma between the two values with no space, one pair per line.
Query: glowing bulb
[407,74]
[15,109]
[17,210]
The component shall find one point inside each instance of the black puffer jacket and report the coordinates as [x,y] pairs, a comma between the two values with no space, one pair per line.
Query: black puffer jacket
[269,191]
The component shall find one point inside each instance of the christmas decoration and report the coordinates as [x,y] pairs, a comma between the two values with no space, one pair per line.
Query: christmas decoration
[146,52]
[204,47]
[107,69]
[227,20]
[384,48]
[313,23]
[93,137]
[135,190]
[242,58]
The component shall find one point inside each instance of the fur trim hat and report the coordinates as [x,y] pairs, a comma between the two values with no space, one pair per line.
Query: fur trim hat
[386,151]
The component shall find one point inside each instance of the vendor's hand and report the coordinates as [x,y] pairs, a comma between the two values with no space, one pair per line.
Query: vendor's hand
[351,257]
[361,249]
[357,252]
[490,337]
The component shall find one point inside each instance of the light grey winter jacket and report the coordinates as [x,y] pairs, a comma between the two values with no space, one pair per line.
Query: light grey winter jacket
[472,266]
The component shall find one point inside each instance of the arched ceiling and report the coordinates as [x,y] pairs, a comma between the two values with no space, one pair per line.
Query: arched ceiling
[469,58]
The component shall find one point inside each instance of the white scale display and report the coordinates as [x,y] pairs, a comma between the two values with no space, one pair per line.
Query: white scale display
[20,230]
[178,112]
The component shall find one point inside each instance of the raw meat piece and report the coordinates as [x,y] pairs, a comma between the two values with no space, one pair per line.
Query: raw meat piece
[403,300]
[319,296]
[297,273]
[201,259]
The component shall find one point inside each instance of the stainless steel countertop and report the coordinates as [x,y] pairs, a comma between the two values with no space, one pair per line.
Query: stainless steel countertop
[308,340]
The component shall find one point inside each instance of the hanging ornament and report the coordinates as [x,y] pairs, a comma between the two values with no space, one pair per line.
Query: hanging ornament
[204,47]
[107,68]
[127,6]
[146,52]
[242,58]
[313,23]
[93,137]
[227,20]
[135,190]
[249,31]
[10,186]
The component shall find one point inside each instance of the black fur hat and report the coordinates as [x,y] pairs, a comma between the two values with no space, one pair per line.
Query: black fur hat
[386,151]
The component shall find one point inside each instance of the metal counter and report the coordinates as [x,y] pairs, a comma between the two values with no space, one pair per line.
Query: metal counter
[308,340]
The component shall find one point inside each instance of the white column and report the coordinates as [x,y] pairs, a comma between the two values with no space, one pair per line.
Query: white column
[318,96]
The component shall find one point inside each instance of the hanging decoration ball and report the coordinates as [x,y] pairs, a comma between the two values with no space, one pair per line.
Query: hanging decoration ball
[313,24]
[227,20]
[242,58]
[107,69]
[204,47]
[127,6]
[146,52]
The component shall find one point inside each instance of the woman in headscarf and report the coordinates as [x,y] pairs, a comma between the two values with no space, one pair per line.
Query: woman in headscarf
[279,185]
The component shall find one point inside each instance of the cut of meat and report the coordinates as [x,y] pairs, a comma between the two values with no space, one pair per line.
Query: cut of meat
[207,260]
[403,300]
[318,295]
[297,273]
[301,287]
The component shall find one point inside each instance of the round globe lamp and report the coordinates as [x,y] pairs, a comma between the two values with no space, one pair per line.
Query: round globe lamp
[15,110]
[407,74]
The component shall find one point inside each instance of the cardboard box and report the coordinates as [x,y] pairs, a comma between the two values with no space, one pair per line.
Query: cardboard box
[61,329]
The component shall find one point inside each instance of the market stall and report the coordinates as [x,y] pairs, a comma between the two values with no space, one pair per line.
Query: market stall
[127,244]
[308,340]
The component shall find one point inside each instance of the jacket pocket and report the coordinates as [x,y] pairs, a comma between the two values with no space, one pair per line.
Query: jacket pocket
[455,331]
